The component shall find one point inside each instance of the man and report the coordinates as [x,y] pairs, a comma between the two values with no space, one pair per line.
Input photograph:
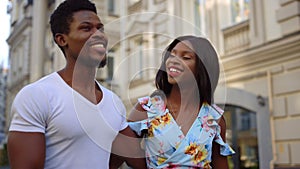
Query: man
[67,120]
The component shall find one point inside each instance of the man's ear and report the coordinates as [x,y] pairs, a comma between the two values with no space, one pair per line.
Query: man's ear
[60,39]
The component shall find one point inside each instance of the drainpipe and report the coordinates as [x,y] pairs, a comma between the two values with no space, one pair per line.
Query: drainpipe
[272,128]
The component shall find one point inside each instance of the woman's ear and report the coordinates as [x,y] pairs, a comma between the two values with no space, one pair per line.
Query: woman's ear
[60,39]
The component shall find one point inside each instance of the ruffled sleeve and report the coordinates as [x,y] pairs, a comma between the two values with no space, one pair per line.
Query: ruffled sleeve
[216,112]
[139,126]
[225,149]
[154,106]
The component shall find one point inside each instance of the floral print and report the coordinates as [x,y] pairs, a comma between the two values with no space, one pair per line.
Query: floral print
[157,123]
[197,152]
[165,144]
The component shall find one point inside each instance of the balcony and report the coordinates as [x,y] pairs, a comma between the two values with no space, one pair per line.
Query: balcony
[135,7]
[236,38]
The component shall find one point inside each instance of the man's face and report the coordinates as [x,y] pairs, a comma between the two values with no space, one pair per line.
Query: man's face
[86,41]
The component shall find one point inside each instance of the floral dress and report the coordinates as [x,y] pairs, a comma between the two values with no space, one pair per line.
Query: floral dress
[165,144]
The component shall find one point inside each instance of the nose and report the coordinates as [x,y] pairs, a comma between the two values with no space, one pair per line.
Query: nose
[99,34]
[173,59]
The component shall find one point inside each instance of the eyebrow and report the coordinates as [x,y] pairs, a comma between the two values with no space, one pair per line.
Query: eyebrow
[185,51]
[90,23]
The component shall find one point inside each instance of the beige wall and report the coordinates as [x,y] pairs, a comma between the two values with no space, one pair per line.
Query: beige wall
[274,40]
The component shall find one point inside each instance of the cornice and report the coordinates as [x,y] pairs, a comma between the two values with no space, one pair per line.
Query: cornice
[255,62]
[264,53]
[18,29]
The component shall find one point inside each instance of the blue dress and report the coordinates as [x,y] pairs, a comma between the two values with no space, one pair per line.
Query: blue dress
[165,144]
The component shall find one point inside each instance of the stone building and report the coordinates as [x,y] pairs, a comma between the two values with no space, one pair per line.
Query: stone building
[3,77]
[257,40]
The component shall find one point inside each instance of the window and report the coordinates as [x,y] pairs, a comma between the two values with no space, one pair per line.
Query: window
[111,7]
[199,16]
[136,59]
[140,57]
[239,10]
[110,65]
[242,134]
[245,121]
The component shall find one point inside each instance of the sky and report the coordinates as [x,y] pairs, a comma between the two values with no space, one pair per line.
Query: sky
[4,33]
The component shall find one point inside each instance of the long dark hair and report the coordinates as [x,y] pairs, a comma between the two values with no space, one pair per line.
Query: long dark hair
[207,67]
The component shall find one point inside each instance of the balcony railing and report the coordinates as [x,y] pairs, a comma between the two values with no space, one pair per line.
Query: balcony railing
[136,7]
[236,37]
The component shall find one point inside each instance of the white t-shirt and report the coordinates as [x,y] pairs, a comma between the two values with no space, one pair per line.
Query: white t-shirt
[78,133]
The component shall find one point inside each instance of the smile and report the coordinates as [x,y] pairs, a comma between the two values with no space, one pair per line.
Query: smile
[98,46]
[174,70]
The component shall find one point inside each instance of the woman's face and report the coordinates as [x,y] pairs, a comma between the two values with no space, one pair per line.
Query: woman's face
[181,64]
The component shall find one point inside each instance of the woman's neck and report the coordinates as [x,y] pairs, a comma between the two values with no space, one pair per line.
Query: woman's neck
[184,96]
[184,105]
[180,101]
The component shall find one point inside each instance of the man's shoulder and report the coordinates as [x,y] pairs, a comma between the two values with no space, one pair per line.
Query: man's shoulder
[106,90]
[47,78]
[37,86]
[110,95]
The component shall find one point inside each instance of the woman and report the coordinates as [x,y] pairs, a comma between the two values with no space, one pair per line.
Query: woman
[181,126]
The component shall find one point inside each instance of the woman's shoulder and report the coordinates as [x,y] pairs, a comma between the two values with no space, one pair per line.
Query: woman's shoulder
[138,113]
[213,110]
[148,106]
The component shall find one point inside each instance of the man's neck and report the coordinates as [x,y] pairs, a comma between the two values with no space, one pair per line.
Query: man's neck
[83,82]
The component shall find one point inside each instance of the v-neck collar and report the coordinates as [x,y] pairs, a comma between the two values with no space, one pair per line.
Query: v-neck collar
[65,85]
[179,127]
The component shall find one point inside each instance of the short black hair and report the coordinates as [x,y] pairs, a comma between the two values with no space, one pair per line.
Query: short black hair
[207,67]
[62,16]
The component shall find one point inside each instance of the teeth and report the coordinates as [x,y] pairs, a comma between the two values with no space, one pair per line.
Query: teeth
[174,70]
[98,46]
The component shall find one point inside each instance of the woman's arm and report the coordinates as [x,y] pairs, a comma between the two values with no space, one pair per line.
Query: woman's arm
[137,113]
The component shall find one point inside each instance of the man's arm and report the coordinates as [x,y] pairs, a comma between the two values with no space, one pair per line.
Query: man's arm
[126,147]
[26,150]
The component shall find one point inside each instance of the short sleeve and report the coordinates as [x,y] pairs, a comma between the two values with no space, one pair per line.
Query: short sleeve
[121,108]
[124,124]
[216,113]
[29,110]
[139,126]
[155,106]
[225,149]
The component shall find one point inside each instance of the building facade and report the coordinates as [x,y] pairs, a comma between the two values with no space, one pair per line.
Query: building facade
[257,41]
[3,77]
